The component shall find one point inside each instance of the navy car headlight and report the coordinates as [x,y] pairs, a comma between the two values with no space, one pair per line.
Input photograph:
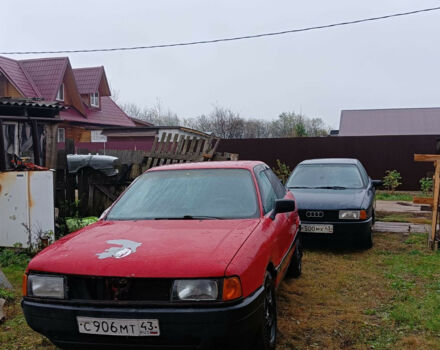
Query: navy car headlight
[352,214]
[195,290]
[46,286]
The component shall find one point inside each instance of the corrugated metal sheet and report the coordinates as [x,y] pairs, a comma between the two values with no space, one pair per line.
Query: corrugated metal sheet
[404,121]
[30,103]
[377,153]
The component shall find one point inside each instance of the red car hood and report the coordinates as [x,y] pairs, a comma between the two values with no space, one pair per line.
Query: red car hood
[165,248]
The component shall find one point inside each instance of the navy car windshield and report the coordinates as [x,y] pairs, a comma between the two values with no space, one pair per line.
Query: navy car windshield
[189,194]
[331,176]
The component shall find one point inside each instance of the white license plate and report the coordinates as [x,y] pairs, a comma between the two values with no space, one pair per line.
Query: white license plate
[310,228]
[122,327]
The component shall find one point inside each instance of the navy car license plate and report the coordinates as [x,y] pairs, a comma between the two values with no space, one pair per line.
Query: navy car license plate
[316,228]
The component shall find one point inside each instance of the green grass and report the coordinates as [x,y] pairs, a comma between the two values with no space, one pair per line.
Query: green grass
[414,275]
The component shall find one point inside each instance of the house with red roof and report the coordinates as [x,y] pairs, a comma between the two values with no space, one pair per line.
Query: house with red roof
[84,91]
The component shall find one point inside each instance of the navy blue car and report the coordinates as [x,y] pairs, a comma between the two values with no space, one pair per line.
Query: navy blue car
[335,197]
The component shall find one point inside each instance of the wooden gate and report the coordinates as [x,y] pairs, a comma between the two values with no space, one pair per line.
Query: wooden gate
[95,192]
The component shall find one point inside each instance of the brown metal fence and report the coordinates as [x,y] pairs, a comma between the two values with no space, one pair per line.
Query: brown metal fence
[377,153]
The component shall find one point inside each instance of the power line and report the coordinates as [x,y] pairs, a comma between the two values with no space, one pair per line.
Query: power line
[213,41]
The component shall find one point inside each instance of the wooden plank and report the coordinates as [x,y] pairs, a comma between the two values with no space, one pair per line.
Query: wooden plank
[155,161]
[90,199]
[106,192]
[149,163]
[426,157]
[2,149]
[161,144]
[210,154]
[435,204]
[199,147]
[166,148]
[153,147]
[193,144]
[423,200]
[174,144]
[185,145]
[36,143]
[180,144]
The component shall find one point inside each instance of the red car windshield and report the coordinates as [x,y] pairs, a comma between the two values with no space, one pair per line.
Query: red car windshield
[189,194]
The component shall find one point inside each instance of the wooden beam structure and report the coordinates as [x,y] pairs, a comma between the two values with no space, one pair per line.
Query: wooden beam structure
[423,200]
[2,149]
[433,238]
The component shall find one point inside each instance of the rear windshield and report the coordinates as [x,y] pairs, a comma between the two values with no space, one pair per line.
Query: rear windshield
[326,176]
[197,193]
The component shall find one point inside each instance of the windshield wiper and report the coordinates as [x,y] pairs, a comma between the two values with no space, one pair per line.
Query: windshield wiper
[190,217]
[300,187]
[332,187]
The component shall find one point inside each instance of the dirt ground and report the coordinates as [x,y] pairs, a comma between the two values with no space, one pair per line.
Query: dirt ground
[384,298]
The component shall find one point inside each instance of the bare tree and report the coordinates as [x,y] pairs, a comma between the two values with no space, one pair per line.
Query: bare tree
[227,124]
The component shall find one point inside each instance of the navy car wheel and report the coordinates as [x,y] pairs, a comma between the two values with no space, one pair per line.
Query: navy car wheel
[295,268]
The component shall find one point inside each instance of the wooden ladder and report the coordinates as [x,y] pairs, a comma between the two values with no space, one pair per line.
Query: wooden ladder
[433,237]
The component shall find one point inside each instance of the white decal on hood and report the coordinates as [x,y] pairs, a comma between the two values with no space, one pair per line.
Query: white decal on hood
[126,248]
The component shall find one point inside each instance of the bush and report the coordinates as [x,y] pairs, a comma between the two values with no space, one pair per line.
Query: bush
[6,294]
[282,171]
[10,257]
[74,224]
[426,185]
[391,180]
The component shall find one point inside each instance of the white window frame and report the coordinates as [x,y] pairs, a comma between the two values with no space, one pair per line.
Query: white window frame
[97,136]
[61,135]
[60,93]
[94,99]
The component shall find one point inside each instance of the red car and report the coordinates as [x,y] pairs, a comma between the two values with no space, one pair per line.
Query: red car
[189,256]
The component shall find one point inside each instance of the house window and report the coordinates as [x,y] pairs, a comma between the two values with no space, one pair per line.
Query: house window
[61,135]
[94,99]
[97,136]
[60,93]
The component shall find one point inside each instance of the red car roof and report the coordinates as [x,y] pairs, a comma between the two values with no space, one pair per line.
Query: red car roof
[240,164]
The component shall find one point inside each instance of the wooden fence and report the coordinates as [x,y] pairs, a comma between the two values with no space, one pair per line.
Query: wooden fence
[93,192]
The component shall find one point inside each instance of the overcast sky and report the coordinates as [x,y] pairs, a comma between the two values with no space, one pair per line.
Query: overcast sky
[385,64]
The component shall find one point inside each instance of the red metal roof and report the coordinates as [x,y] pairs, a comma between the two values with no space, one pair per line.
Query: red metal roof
[47,74]
[15,74]
[42,78]
[109,114]
[88,79]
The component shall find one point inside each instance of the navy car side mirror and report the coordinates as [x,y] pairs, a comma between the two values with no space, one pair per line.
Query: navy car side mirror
[282,206]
